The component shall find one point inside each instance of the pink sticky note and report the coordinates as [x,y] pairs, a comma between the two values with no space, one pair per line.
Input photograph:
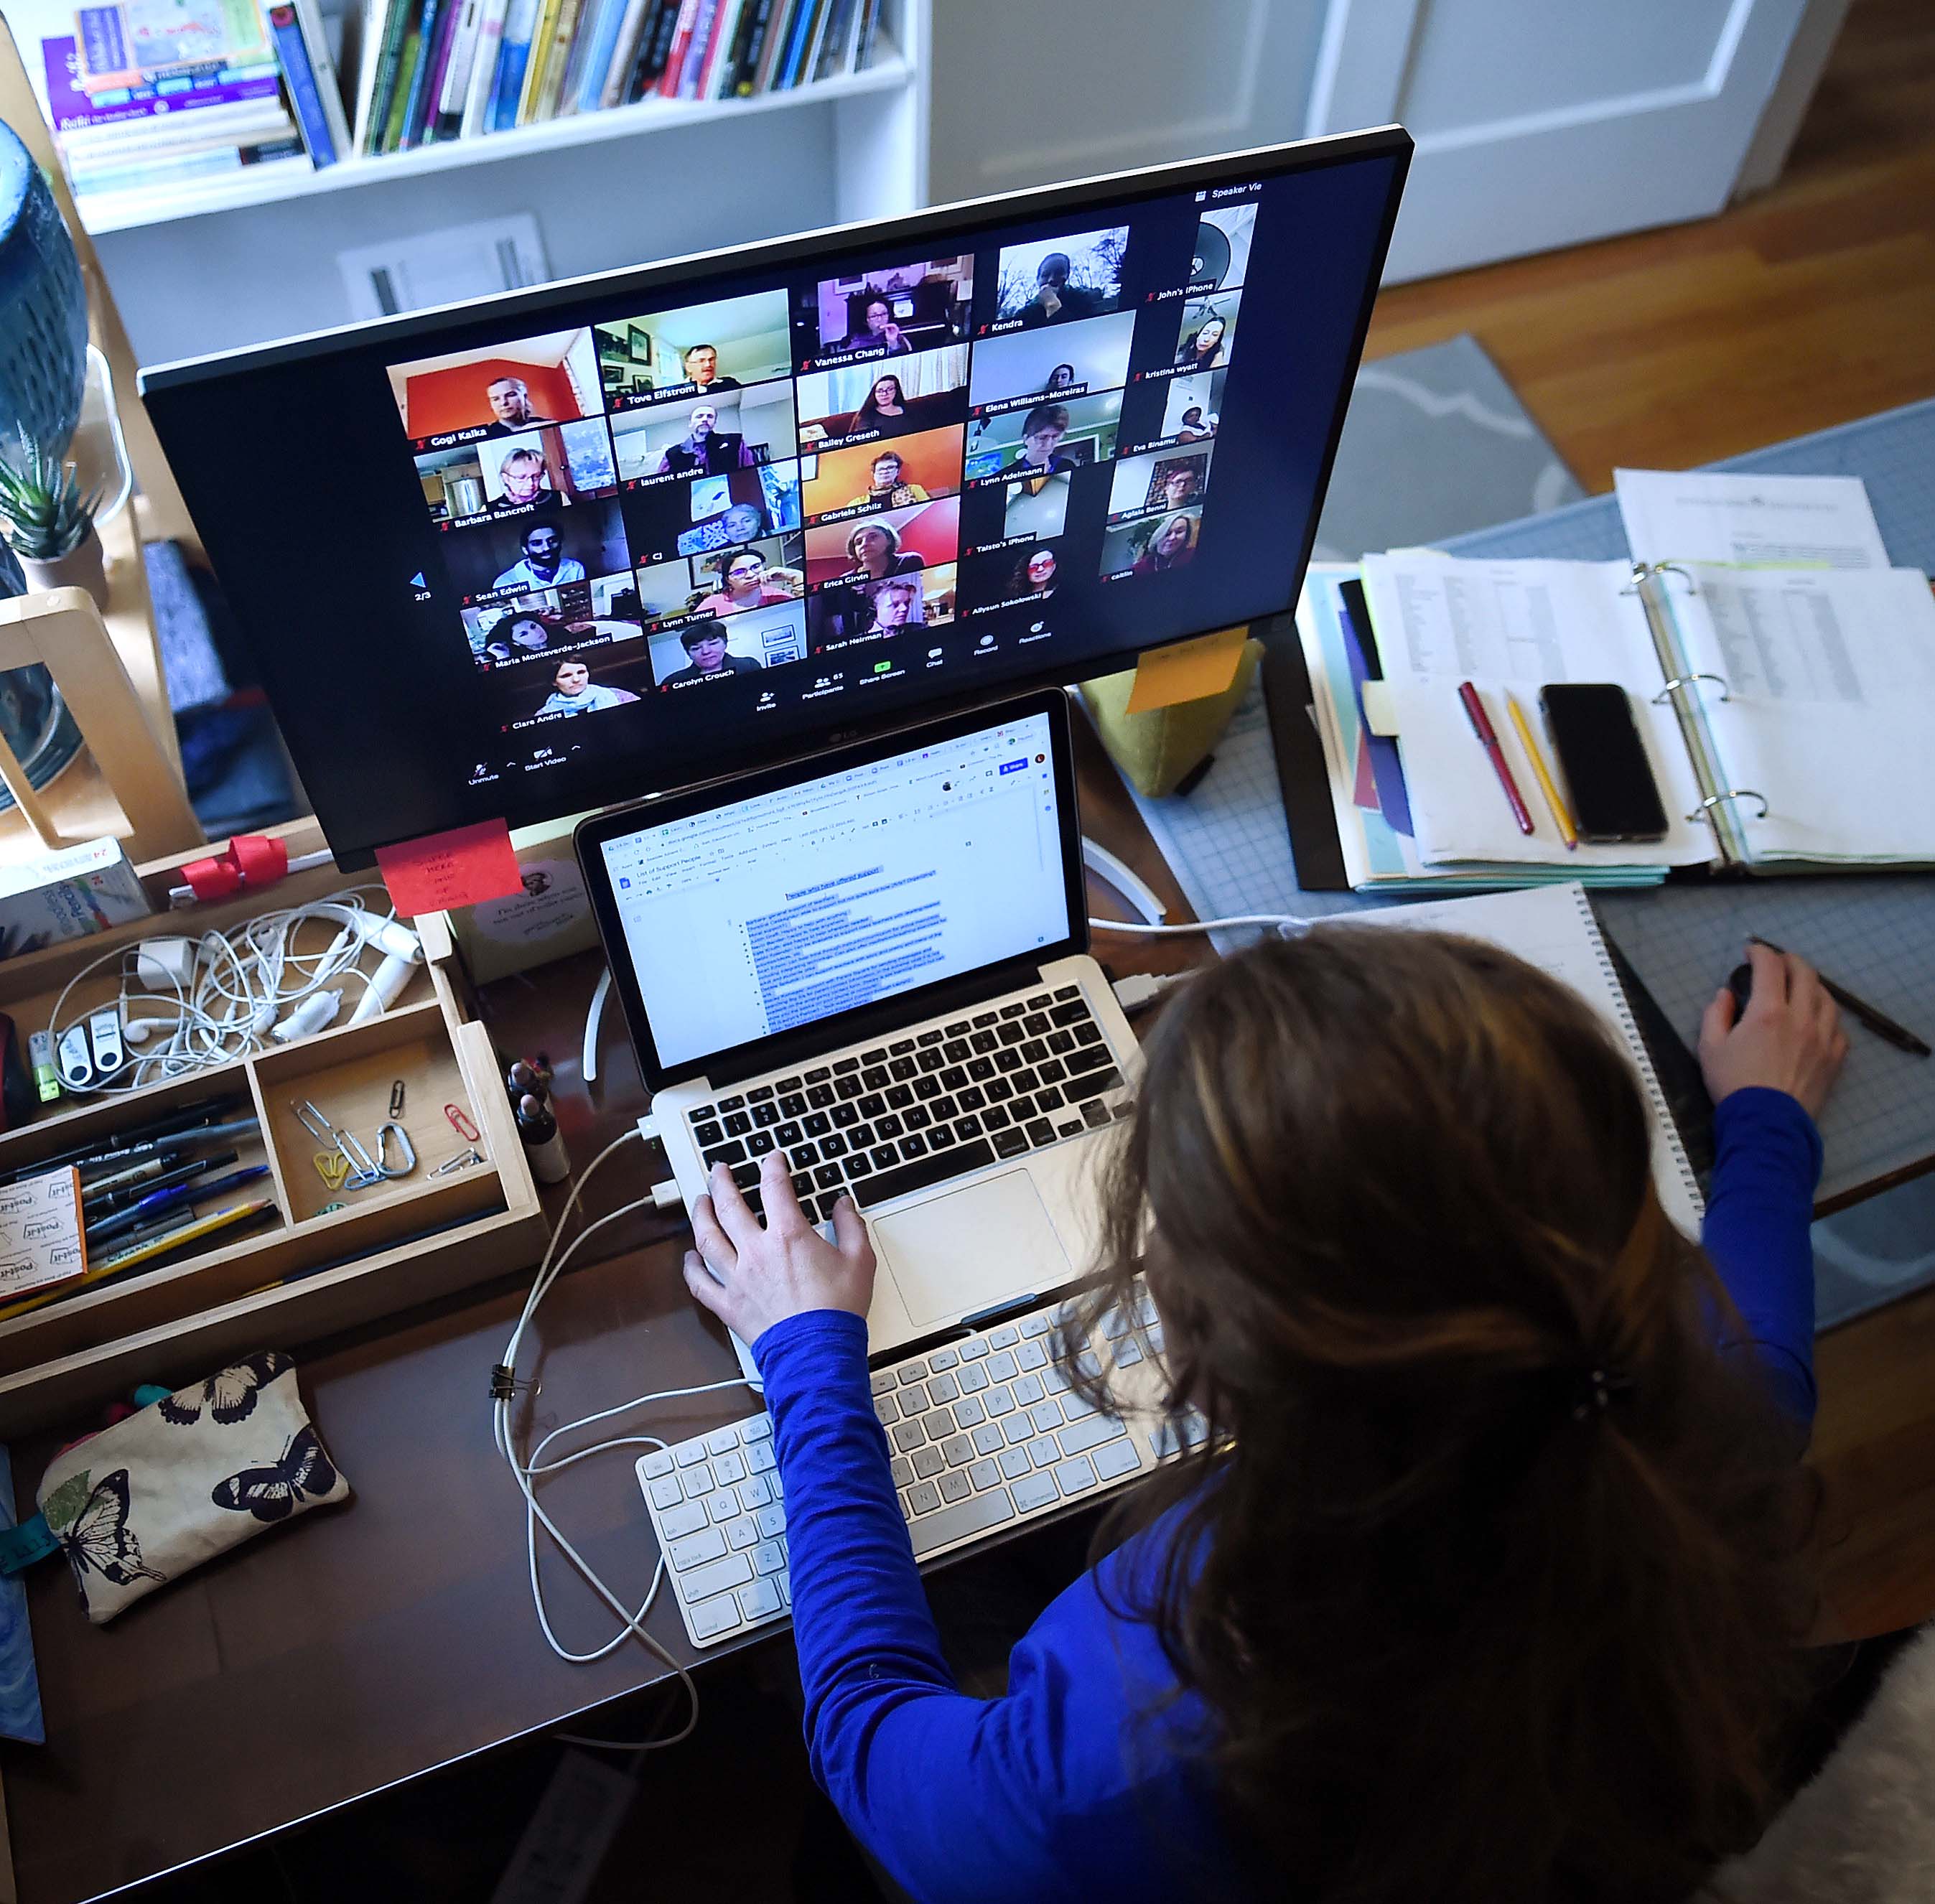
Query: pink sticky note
[462,868]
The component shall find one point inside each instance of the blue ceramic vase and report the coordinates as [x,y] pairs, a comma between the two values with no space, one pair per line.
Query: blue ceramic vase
[43,307]
[43,371]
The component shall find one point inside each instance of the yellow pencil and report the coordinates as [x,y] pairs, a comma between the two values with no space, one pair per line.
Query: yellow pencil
[135,1254]
[1561,818]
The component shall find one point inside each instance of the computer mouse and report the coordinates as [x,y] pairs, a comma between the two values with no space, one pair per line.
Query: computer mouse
[1739,982]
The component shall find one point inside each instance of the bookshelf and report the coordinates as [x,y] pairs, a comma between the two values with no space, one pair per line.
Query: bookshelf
[890,73]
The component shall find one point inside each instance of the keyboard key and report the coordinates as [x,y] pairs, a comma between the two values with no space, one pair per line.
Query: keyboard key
[1008,1143]
[1001,1363]
[713,1617]
[887,1410]
[1036,1024]
[760,1601]
[1017,1428]
[923,1498]
[909,1435]
[761,1459]
[1005,1337]
[1045,1415]
[1047,1098]
[974,1379]
[835,1145]
[1075,1477]
[1015,1463]
[1095,1114]
[980,1070]
[704,1131]
[957,1051]
[911,1372]
[728,1469]
[995,1119]
[874,1077]
[1012,1034]
[900,1047]
[942,1388]
[758,1142]
[955,1486]
[666,1493]
[902,1471]
[928,1461]
[1031,1491]
[846,1089]
[691,1455]
[694,1550]
[1089,1034]
[872,1106]
[1051,1071]
[844,1116]
[900,1097]
[941,1137]
[1013,1011]
[1079,1437]
[766,1115]
[821,1097]
[883,1156]
[788,1135]
[730,1104]
[768,1557]
[1039,1132]
[722,1506]
[771,1521]
[983,1042]
[930,1060]
[1072,1013]
[983,1019]
[923,1172]
[930,1038]
[882,1381]
[844,1064]
[1069,991]
[785,1084]
[901,1069]
[1000,1402]
[999,1090]
[698,1482]
[741,1534]
[1113,1459]
[1030,1355]
[1039,1003]
[985,1473]
[1128,1354]
[1079,1089]
[968,1412]
[829,1176]
[974,1349]
[888,1128]
[792,1105]
[944,1359]
[658,1462]
[988,1438]
[975,1515]
[1062,1042]
[676,1521]
[958,1029]
[738,1124]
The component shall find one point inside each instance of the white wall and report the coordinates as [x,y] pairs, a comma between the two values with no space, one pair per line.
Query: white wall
[599,207]
[1026,92]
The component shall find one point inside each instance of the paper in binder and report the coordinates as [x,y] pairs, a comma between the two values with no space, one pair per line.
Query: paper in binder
[1785,712]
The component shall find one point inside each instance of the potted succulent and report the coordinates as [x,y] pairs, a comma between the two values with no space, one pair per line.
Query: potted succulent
[49,522]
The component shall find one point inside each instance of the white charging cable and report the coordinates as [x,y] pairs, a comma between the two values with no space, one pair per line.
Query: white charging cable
[1287,927]
[214,1000]
[525,1471]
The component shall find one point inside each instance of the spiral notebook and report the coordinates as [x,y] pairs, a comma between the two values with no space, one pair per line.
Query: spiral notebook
[1784,710]
[1553,927]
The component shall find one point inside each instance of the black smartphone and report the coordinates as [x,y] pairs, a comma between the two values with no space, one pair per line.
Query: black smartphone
[1607,776]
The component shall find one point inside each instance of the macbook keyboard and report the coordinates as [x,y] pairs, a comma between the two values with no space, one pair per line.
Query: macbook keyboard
[982,1434]
[981,1088]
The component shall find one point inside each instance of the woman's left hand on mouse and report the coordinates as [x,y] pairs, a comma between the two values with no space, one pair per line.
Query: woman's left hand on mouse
[751,1275]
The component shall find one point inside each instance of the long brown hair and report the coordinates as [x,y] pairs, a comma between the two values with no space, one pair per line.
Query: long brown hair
[1490,1565]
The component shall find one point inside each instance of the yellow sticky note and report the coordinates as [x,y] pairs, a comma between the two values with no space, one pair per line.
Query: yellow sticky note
[1188,670]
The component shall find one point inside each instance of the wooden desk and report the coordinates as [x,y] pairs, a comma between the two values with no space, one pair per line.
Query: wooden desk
[389,1636]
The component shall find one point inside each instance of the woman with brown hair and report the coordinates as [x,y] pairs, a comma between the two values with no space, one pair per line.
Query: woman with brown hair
[1481,1581]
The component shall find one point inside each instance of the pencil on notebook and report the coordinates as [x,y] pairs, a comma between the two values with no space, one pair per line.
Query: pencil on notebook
[1561,818]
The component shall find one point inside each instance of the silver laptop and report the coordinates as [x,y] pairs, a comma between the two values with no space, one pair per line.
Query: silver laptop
[875,960]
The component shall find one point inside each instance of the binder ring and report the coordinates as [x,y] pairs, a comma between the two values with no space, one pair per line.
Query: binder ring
[1687,681]
[1644,571]
[1704,809]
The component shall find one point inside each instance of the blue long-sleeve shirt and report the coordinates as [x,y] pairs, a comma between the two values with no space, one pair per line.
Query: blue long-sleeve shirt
[1082,1782]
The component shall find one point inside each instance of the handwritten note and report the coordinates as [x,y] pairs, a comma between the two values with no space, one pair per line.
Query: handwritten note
[40,1233]
[1187,671]
[462,868]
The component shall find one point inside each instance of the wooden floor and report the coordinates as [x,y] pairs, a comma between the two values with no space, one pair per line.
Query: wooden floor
[1807,305]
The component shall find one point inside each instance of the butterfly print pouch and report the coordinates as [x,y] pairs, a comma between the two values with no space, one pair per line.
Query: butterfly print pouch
[151,1497]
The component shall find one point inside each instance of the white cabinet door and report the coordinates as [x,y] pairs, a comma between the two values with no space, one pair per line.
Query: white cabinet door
[1029,92]
[1548,123]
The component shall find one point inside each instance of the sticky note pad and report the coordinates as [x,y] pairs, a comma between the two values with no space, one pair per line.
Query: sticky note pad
[461,867]
[40,1241]
[1187,671]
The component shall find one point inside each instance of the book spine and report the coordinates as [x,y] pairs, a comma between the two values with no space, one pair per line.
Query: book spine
[694,48]
[674,64]
[796,51]
[396,37]
[176,132]
[776,39]
[600,45]
[424,126]
[375,19]
[409,117]
[191,165]
[153,113]
[822,28]
[654,49]
[454,93]
[541,33]
[328,81]
[835,48]
[758,16]
[869,30]
[406,70]
[624,52]
[513,59]
[563,28]
[304,101]
[483,87]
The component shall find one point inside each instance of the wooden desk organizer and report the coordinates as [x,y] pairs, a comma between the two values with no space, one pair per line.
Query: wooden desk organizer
[404,1240]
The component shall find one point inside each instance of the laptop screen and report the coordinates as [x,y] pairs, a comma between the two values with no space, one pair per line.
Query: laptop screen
[822,897]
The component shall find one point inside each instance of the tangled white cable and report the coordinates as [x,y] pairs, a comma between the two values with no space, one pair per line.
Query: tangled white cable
[525,1472]
[242,984]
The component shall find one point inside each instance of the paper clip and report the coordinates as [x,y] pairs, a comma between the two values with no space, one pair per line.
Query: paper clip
[462,1161]
[396,1099]
[461,1123]
[362,1165]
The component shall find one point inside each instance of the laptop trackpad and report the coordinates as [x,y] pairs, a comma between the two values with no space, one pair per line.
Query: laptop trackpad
[979,1246]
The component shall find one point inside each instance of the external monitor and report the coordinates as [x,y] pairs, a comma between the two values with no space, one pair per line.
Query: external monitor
[611,537]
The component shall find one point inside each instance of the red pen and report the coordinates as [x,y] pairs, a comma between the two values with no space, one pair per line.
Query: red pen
[1481,726]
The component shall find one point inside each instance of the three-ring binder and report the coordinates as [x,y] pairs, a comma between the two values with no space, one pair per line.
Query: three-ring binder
[1719,805]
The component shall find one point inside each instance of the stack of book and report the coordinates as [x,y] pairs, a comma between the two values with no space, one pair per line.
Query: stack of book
[154,93]
[435,70]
